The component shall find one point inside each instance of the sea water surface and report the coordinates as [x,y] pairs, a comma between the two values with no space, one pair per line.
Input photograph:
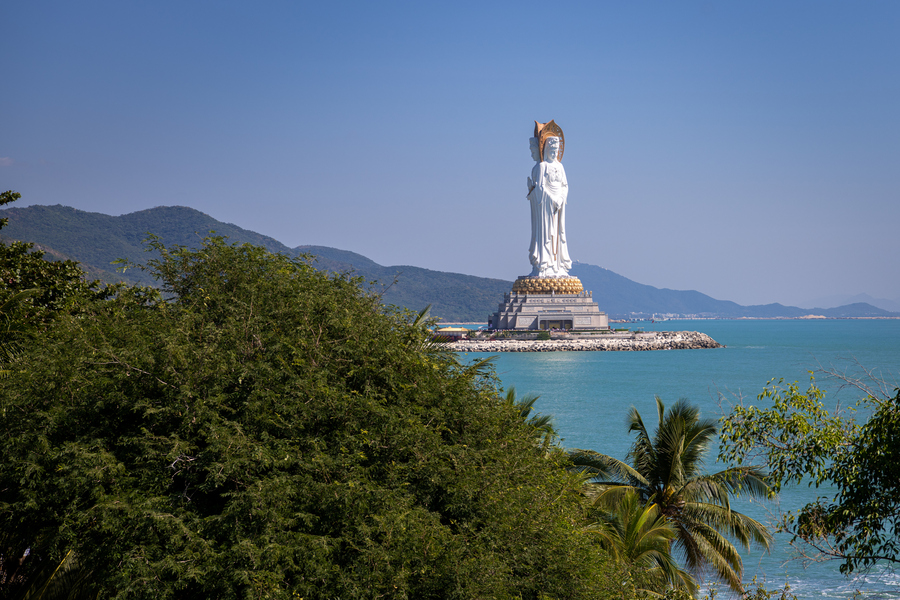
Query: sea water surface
[589,394]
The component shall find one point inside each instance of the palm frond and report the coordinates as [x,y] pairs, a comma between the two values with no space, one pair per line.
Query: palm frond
[430,344]
[422,318]
[705,489]
[542,424]
[481,367]
[524,404]
[67,579]
[738,526]
[643,452]
[609,497]
[603,469]
[750,480]
[717,552]
[637,534]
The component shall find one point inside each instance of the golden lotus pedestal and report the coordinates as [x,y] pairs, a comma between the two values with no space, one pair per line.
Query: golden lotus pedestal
[543,303]
[547,285]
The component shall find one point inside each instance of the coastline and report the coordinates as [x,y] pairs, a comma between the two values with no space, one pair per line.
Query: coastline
[611,342]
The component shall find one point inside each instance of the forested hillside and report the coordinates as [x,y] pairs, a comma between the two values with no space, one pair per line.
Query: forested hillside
[96,240]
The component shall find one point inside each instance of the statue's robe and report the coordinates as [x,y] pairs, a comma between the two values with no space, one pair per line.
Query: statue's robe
[549,253]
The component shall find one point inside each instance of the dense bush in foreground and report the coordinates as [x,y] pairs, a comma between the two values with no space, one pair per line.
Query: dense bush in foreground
[266,431]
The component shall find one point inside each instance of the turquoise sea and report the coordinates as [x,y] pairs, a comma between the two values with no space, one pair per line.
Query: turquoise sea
[589,394]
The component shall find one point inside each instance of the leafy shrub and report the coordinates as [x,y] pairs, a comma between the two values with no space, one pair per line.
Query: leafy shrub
[262,429]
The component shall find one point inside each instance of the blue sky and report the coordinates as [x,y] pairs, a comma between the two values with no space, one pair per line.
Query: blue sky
[748,150]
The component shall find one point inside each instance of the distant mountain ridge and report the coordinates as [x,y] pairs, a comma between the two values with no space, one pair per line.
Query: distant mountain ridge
[624,297]
[96,240]
[845,299]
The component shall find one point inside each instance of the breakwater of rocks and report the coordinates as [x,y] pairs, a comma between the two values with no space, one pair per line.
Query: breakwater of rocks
[619,341]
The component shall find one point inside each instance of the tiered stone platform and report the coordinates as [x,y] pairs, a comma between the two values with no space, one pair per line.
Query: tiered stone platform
[541,303]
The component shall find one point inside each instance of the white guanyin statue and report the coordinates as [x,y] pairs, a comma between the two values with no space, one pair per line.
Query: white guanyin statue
[547,193]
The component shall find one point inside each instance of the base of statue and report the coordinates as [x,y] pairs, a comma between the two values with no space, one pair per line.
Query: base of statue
[543,303]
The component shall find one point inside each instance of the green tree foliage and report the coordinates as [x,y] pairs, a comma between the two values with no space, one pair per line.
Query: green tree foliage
[802,441]
[667,470]
[52,286]
[59,285]
[5,198]
[34,290]
[262,429]
[12,329]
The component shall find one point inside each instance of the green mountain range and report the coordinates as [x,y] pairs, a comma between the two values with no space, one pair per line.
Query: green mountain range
[96,240]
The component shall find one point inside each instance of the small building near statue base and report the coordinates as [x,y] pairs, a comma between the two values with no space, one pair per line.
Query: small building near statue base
[451,333]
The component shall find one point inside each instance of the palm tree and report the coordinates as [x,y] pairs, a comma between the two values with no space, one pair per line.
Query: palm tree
[25,576]
[666,471]
[638,536]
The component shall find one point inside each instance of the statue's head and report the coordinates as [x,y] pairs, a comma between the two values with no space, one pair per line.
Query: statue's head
[544,131]
[535,149]
[551,149]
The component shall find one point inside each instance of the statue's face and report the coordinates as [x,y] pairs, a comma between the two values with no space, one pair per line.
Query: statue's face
[551,149]
[535,151]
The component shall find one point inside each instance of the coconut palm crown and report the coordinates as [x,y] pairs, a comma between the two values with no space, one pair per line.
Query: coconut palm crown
[666,470]
[636,534]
